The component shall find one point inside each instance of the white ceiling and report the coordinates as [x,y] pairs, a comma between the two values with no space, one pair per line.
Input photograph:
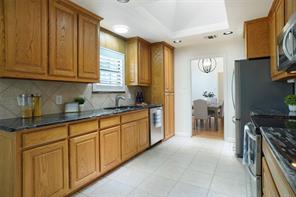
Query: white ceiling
[188,20]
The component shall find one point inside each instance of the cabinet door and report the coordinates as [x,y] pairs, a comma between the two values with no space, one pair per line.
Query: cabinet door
[256,38]
[279,17]
[169,115]
[45,171]
[144,63]
[273,44]
[62,40]
[129,140]
[88,48]
[131,67]
[143,131]
[290,8]
[84,159]
[26,36]
[168,69]
[268,186]
[110,149]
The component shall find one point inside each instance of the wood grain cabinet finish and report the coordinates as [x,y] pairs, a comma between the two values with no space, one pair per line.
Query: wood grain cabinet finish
[268,186]
[169,115]
[26,37]
[138,67]
[257,38]
[88,43]
[40,40]
[169,69]
[84,159]
[110,148]
[129,140]
[290,9]
[62,40]
[45,171]
[143,132]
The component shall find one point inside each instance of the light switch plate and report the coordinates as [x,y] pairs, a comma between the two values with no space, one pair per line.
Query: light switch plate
[59,99]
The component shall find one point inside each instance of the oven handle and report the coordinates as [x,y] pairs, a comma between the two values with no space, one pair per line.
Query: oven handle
[251,173]
[253,137]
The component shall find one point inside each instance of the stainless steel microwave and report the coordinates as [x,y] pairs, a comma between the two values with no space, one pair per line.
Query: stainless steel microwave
[286,49]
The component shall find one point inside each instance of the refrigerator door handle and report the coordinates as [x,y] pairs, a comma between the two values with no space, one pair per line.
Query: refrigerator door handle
[232,88]
[233,119]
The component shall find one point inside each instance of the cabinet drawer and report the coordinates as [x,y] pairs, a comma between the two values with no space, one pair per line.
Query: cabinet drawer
[44,136]
[134,116]
[83,127]
[109,122]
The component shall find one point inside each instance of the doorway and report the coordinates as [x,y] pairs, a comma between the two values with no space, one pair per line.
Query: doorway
[207,96]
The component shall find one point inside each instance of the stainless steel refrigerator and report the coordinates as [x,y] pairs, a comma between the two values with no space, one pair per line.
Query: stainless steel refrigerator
[254,89]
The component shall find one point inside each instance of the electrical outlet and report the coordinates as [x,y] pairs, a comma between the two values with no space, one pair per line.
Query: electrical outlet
[59,99]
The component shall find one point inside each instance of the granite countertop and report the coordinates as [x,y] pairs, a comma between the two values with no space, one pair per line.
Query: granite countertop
[283,145]
[19,124]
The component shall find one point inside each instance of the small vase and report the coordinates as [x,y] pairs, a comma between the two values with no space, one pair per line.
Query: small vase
[292,108]
[81,107]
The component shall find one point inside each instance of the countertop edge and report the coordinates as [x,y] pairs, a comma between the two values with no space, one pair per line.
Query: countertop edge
[277,157]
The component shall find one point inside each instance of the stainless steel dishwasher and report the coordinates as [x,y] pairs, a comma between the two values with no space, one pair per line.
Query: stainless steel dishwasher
[156,125]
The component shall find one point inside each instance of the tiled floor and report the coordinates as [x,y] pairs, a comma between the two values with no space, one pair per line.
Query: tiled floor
[179,167]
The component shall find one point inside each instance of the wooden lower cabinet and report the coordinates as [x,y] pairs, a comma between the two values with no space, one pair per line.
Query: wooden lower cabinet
[169,115]
[84,159]
[268,185]
[110,148]
[129,140]
[45,170]
[143,130]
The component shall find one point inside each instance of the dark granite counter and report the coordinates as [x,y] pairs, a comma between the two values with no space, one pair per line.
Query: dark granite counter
[282,142]
[19,124]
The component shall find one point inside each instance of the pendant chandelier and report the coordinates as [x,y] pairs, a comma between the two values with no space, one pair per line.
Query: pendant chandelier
[207,65]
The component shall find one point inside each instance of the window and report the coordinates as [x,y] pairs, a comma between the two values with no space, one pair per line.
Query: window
[111,72]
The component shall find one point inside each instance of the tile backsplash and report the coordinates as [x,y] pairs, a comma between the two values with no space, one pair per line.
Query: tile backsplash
[11,88]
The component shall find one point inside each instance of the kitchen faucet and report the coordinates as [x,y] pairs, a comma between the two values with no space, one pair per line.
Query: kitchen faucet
[118,97]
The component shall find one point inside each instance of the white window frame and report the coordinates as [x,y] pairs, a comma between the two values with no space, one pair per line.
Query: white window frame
[98,87]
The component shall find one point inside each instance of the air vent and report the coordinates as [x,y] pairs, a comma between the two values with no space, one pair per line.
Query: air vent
[211,37]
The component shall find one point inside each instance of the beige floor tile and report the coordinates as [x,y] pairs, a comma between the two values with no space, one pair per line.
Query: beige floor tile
[170,171]
[229,187]
[187,190]
[197,178]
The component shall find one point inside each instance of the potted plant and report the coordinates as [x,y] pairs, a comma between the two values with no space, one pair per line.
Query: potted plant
[80,102]
[290,100]
[209,96]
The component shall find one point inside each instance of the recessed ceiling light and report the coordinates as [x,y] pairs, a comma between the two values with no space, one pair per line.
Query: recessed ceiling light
[120,29]
[177,41]
[123,1]
[228,33]
[210,37]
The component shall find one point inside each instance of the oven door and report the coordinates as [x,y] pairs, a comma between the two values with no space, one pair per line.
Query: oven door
[254,188]
[253,150]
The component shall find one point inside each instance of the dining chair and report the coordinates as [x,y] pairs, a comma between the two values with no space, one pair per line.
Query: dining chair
[200,111]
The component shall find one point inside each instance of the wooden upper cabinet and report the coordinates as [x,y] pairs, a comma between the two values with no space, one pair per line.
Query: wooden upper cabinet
[45,171]
[290,9]
[256,33]
[26,37]
[279,17]
[110,148]
[138,67]
[129,140]
[84,159]
[62,40]
[168,69]
[144,66]
[88,48]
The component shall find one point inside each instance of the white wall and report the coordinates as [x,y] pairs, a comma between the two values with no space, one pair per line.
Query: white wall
[230,51]
[201,81]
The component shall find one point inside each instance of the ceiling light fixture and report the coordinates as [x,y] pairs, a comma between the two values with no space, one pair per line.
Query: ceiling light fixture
[120,29]
[207,65]
[123,1]
[227,33]
[177,41]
